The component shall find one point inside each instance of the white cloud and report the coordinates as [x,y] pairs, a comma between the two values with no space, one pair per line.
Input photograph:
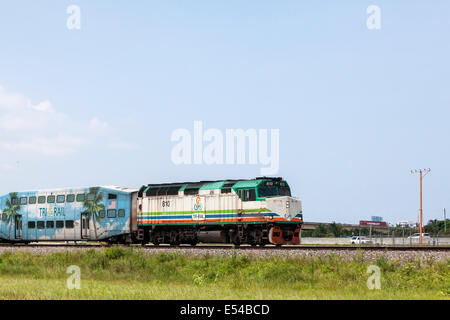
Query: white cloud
[12,100]
[45,106]
[98,126]
[40,128]
[37,128]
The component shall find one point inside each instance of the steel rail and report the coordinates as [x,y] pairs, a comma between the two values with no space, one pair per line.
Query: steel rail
[230,247]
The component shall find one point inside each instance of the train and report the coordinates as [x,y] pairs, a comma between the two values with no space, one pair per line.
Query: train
[256,211]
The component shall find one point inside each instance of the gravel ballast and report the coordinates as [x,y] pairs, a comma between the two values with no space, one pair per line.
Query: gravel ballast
[347,255]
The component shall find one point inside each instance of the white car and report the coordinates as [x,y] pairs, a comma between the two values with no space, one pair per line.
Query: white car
[417,236]
[360,240]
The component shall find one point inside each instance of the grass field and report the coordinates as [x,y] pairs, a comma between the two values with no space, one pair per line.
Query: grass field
[117,273]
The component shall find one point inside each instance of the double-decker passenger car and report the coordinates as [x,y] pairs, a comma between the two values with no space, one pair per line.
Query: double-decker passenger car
[258,211]
[97,213]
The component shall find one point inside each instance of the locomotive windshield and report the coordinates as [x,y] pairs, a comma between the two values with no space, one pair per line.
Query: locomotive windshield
[267,192]
[264,192]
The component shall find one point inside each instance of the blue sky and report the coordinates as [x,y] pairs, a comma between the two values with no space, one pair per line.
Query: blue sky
[356,108]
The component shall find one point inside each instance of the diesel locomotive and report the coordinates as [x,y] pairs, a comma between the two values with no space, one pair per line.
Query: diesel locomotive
[258,212]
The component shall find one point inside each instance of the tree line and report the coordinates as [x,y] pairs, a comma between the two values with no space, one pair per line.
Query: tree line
[336,230]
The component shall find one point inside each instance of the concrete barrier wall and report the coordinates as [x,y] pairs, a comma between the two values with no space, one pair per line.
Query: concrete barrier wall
[384,241]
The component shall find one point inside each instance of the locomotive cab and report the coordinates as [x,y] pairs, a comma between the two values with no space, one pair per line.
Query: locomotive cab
[274,195]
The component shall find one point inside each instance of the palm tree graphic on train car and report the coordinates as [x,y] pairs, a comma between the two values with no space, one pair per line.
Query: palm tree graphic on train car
[94,206]
[12,208]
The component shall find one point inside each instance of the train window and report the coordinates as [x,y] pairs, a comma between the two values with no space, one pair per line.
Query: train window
[121,213]
[112,196]
[111,213]
[23,201]
[101,213]
[14,201]
[85,223]
[252,195]
[59,224]
[41,199]
[60,198]
[50,224]
[81,197]
[90,197]
[191,192]
[70,198]
[31,224]
[267,192]
[41,224]
[249,195]
[4,217]
[69,224]
[226,190]
[51,199]
[32,200]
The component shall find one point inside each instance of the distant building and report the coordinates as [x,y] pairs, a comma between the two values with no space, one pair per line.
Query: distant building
[406,224]
[373,224]
[377,219]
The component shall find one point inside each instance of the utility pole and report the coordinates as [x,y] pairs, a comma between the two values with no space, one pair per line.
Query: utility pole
[422,173]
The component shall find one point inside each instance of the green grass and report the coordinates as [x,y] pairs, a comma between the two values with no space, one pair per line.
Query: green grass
[118,273]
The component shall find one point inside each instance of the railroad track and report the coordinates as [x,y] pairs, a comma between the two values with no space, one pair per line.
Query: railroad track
[230,247]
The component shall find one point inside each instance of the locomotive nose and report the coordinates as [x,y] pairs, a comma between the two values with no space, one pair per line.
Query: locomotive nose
[286,207]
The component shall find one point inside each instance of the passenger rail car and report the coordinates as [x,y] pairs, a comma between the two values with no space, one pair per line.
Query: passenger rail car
[258,211]
[81,214]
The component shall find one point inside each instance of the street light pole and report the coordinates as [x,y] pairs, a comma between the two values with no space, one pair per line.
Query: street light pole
[422,173]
